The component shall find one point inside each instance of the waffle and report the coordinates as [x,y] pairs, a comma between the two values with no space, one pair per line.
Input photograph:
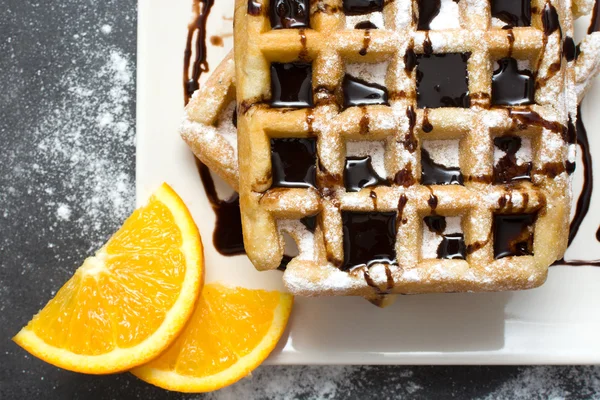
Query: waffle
[291,102]
[315,272]
[209,123]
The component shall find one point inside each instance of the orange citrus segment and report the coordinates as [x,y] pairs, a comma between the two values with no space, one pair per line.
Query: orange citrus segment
[231,332]
[125,304]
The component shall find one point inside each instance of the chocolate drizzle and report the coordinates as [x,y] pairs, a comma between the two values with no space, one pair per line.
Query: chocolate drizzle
[442,80]
[359,174]
[254,8]
[428,10]
[511,86]
[289,14]
[569,49]
[359,7]
[366,43]
[365,25]
[437,174]
[513,235]
[369,238]
[358,92]
[410,60]
[227,237]
[452,247]
[585,198]
[550,19]
[507,169]
[595,23]
[294,162]
[291,85]
[514,13]
[200,65]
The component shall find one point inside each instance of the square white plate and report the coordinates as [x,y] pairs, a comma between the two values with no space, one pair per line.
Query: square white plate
[558,323]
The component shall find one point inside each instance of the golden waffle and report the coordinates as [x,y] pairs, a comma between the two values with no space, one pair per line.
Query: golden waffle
[328,280]
[209,123]
[532,213]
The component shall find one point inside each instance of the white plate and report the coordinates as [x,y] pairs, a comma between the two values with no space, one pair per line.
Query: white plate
[557,323]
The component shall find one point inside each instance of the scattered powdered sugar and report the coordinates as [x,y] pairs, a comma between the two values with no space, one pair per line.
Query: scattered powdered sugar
[74,146]
[523,155]
[400,382]
[372,73]
[63,212]
[432,240]
[303,243]
[226,127]
[376,18]
[369,148]
[448,17]
[444,152]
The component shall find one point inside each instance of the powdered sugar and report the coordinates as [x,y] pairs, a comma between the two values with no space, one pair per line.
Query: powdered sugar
[369,148]
[75,139]
[372,73]
[376,18]
[432,240]
[448,18]
[444,152]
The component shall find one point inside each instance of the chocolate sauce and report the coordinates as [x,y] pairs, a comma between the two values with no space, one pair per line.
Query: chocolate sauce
[254,8]
[585,198]
[359,7]
[284,262]
[369,237]
[289,14]
[511,86]
[428,10]
[366,43]
[358,92]
[294,162]
[427,45]
[569,49]
[526,117]
[426,125]
[442,80]
[437,174]
[310,223]
[513,12]
[365,25]
[507,169]
[435,223]
[513,235]
[291,85]
[200,65]
[410,60]
[550,19]
[227,237]
[410,141]
[452,247]
[595,23]
[359,174]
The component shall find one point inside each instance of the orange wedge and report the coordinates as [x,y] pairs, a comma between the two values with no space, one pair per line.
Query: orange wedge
[128,302]
[231,332]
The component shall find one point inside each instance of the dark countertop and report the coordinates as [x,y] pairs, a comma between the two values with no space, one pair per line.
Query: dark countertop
[67,126]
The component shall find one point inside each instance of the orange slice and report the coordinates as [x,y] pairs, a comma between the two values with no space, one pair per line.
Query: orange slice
[128,302]
[232,331]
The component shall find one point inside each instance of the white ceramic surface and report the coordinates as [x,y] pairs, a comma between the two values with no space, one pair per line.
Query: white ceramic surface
[557,323]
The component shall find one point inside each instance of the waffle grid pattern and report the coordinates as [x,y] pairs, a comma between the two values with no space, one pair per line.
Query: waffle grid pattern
[329,46]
